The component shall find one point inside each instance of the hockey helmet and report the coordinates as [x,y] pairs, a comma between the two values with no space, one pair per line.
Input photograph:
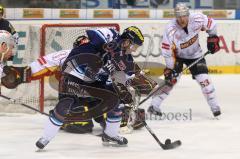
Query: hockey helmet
[134,34]
[80,40]
[181,9]
[6,37]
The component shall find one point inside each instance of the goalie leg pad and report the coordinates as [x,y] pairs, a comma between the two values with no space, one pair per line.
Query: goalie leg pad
[140,118]
[136,119]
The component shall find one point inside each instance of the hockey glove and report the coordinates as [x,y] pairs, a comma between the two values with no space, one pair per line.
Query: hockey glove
[170,76]
[213,44]
[13,76]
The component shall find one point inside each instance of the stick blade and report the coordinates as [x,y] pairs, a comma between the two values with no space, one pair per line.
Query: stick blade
[171,145]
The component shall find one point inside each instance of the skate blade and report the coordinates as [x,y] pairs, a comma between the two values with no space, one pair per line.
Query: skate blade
[112,144]
[217,118]
[40,150]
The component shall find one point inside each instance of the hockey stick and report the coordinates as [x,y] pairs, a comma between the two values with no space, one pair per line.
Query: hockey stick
[137,95]
[25,105]
[149,49]
[168,144]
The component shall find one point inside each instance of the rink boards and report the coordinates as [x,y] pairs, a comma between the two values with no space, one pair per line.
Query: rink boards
[227,60]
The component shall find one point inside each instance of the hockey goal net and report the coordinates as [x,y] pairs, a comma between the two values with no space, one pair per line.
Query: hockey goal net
[43,40]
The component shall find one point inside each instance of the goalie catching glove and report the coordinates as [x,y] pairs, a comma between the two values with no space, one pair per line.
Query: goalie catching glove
[13,76]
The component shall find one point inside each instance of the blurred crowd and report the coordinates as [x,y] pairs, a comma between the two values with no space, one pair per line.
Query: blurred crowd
[113,4]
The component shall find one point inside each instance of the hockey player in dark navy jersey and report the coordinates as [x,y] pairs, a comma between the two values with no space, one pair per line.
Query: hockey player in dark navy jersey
[98,69]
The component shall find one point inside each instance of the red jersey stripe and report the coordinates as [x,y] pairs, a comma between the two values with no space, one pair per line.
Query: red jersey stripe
[164,44]
[164,47]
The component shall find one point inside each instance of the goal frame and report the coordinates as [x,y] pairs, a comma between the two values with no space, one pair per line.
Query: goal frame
[43,42]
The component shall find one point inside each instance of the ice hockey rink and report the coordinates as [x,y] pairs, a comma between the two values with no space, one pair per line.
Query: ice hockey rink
[201,135]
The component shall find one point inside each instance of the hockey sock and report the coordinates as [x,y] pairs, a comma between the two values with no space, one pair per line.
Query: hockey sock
[208,91]
[50,130]
[112,127]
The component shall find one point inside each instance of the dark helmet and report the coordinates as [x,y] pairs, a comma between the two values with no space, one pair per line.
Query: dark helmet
[134,34]
[1,10]
[82,39]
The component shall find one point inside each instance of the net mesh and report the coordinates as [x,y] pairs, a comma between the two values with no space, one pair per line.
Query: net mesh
[43,40]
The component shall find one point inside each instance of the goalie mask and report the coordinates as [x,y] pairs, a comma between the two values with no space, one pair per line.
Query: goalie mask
[7,45]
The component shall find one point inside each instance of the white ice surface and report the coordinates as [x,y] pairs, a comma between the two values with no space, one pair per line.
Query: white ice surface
[202,137]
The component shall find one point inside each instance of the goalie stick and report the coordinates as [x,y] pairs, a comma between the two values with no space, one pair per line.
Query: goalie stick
[168,143]
[22,104]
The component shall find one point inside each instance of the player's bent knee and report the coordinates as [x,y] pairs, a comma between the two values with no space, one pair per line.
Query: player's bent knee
[58,114]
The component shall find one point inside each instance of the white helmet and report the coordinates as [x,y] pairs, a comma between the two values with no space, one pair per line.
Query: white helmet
[6,37]
[181,9]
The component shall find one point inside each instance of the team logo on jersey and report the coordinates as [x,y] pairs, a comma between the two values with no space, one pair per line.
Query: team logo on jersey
[189,42]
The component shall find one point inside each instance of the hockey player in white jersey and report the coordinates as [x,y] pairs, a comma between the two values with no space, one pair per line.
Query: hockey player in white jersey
[180,46]
[6,48]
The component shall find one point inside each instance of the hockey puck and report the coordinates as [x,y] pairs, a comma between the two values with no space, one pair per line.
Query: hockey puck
[167,142]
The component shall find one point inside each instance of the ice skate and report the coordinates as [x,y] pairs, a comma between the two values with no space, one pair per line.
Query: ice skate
[41,143]
[153,111]
[117,141]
